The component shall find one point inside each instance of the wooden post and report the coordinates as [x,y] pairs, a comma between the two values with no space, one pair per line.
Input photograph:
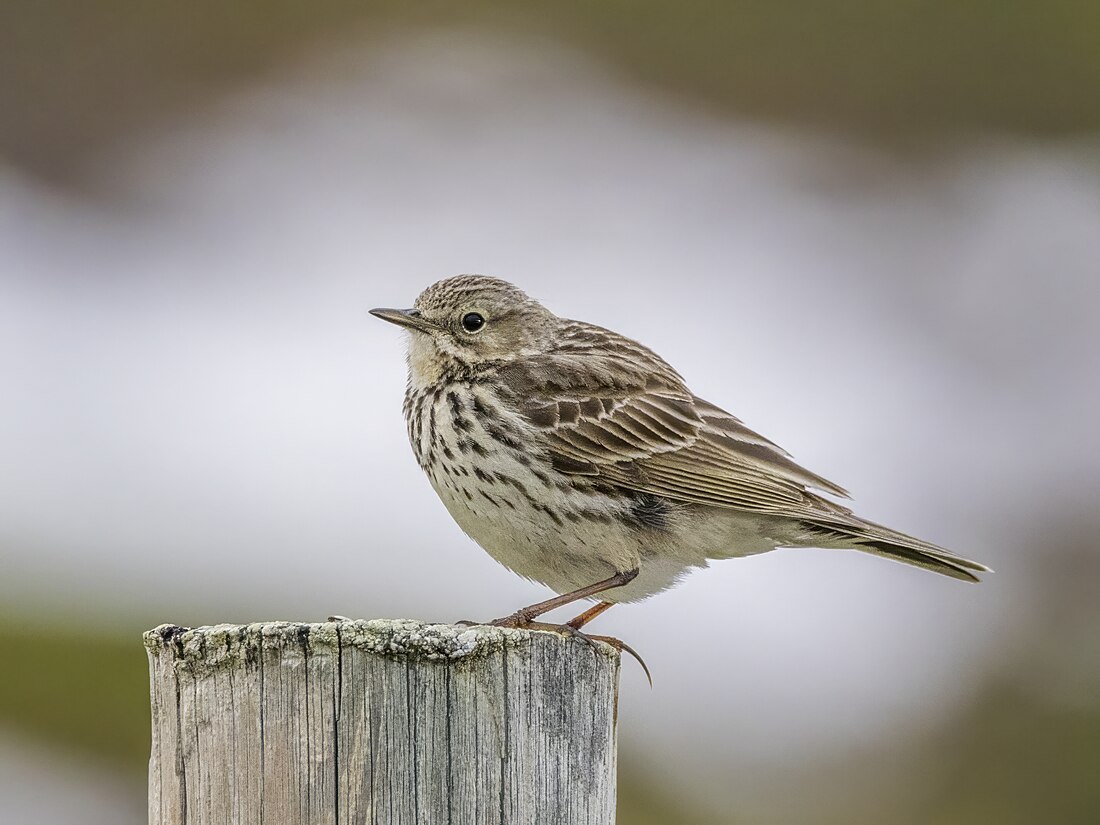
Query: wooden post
[382,722]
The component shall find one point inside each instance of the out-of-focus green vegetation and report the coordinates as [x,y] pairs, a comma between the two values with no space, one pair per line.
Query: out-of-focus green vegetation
[1015,757]
[901,66]
[643,800]
[1012,756]
[76,688]
[77,75]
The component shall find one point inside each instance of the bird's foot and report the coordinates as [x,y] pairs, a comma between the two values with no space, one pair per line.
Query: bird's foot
[516,620]
[591,639]
[522,621]
[519,620]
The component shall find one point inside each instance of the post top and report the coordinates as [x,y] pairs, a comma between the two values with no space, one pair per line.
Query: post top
[216,645]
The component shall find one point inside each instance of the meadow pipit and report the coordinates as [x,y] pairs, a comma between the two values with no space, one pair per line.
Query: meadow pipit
[579,458]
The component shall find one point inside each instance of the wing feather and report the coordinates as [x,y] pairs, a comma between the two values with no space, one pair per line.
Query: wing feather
[613,409]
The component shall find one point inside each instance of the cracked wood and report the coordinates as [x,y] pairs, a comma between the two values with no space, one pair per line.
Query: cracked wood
[380,722]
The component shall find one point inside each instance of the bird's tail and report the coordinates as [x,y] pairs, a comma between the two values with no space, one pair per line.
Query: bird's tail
[882,541]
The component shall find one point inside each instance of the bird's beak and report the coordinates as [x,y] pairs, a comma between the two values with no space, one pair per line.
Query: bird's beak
[405,318]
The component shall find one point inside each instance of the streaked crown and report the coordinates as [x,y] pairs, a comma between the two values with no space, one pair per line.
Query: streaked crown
[452,294]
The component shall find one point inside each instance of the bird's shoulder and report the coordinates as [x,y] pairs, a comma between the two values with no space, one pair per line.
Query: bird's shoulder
[590,360]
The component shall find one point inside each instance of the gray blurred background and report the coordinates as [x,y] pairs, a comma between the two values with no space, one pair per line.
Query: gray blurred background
[871,231]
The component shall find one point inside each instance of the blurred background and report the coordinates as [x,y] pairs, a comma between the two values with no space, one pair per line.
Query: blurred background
[870,230]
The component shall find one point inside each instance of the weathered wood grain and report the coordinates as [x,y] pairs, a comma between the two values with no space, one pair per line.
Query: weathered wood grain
[380,722]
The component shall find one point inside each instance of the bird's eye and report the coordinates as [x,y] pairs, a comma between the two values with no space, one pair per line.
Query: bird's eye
[472,322]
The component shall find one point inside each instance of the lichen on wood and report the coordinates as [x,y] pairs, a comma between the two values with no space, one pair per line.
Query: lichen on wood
[380,721]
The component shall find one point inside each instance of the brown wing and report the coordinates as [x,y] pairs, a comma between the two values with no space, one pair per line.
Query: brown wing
[613,409]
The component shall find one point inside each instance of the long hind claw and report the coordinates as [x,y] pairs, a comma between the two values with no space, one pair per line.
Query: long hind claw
[572,632]
[620,645]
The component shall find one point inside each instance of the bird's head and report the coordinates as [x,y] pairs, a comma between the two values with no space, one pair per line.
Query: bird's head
[469,321]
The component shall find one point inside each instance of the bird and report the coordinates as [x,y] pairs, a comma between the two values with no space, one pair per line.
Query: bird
[580,459]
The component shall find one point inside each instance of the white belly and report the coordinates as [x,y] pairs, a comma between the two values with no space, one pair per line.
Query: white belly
[553,534]
[537,523]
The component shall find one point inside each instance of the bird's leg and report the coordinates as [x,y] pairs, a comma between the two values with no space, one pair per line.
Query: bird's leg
[588,615]
[590,639]
[525,615]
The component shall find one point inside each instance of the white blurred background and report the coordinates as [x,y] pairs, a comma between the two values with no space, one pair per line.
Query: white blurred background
[201,423]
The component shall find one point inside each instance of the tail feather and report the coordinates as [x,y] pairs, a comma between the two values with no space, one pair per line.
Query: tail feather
[947,564]
[882,541]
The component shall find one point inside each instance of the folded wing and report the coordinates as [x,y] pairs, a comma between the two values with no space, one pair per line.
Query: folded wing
[613,409]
